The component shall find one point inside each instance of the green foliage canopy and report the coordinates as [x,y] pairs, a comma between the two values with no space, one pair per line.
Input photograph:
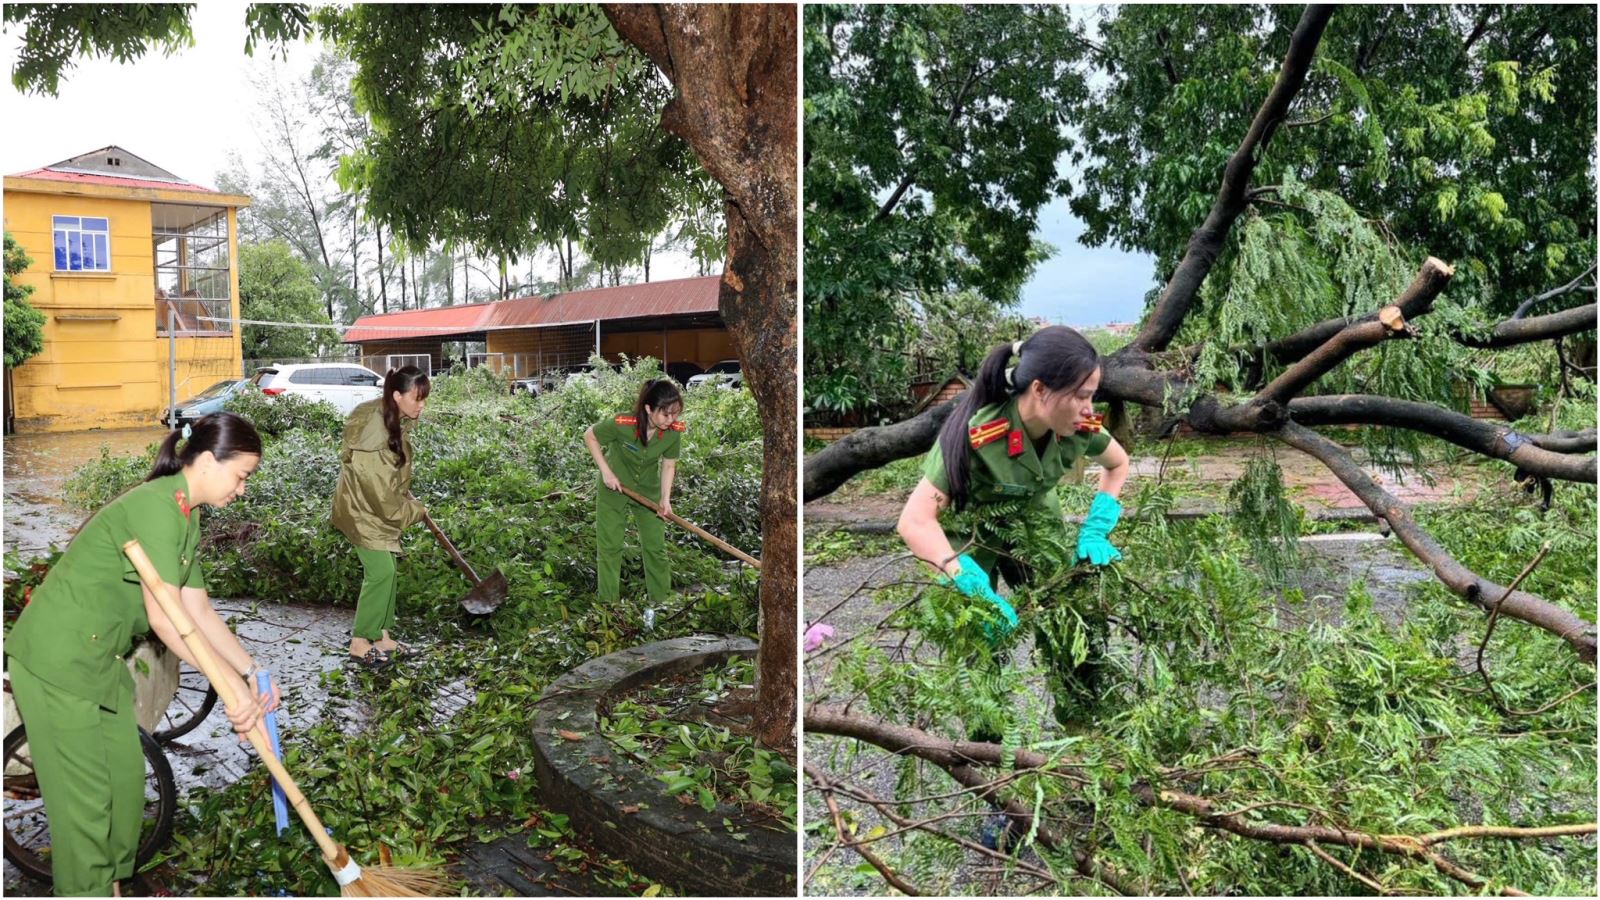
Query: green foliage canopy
[931,140]
[24,327]
[1463,132]
[275,286]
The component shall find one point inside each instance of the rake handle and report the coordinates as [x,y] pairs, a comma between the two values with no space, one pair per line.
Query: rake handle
[694,529]
[226,683]
[451,549]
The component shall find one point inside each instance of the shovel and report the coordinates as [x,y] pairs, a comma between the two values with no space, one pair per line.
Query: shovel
[487,593]
[693,529]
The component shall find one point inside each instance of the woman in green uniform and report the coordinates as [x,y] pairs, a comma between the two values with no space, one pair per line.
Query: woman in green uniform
[66,652]
[639,452]
[373,504]
[1020,427]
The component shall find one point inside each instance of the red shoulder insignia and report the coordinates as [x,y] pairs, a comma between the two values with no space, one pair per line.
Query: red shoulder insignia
[627,420]
[1092,424]
[183,503]
[988,432]
[677,426]
[1014,442]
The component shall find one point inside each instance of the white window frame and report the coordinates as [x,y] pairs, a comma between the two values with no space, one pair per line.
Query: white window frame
[390,362]
[66,228]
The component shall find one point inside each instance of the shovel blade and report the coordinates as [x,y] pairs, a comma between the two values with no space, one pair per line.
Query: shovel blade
[488,595]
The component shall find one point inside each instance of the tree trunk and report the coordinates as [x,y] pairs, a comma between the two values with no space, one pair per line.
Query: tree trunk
[733,70]
[383,278]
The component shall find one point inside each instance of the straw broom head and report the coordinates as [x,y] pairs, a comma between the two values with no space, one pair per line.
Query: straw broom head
[385,880]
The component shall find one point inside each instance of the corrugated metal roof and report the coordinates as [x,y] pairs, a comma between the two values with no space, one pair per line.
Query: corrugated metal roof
[438,322]
[113,180]
[679,297]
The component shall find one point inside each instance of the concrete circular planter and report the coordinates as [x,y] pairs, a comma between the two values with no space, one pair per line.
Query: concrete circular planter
[586,777]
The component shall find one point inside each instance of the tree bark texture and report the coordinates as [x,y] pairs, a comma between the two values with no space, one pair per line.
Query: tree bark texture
[734,71]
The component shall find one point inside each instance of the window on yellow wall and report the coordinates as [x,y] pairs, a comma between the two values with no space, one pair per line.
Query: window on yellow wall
[82,244]
[193,284]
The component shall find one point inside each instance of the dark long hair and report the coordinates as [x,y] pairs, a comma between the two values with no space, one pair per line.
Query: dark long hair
[402,380]
[1057,356]
[224,434]
[656,393]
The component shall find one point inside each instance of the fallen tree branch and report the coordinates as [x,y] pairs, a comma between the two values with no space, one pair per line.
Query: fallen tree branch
[1465,583]
[869,448]
[1207,242]
[1539,328]
[1494,616]
[888,874]
[1575,284]
[960,759]
[1527,452]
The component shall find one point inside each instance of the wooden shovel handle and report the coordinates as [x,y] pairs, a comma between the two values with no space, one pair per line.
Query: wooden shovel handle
[451,549]
[227,682]
[694,529]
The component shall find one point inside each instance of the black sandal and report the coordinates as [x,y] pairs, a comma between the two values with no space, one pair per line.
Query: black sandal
[372,659]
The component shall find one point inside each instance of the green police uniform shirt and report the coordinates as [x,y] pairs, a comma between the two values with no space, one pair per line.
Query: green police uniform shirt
[1005,464]
[80,623]
[636,464]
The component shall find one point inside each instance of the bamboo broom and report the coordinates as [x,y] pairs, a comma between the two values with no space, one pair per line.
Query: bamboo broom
[354,881]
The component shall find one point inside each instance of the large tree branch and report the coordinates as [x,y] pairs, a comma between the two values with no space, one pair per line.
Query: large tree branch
[1465,583]
[1495,441]
[1538,328]
[1390,322]
[868,448]
[966,756]
[1575,284]
[1207,242]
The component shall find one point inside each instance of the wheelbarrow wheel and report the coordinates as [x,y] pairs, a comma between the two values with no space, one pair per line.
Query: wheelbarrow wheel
[189,707]
[27,834]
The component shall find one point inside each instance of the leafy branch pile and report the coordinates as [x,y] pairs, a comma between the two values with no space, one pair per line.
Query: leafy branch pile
[506,477]
[670,728]
[1324,732]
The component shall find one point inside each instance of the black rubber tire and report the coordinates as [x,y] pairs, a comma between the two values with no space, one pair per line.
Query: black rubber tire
[153,834]
[191,705]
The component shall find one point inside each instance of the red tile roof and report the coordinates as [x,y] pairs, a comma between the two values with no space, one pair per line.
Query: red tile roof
[657,299]
[113,180]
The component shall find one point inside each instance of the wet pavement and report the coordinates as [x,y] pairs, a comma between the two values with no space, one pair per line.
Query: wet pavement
[1308,481]
[36,470]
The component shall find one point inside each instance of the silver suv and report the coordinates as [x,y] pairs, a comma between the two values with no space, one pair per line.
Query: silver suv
[723,374]
[345,385]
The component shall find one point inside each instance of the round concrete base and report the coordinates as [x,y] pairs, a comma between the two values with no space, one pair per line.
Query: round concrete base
[584,776]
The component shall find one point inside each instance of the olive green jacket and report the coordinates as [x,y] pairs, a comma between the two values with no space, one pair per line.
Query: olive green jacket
[1004,464]
[373,503]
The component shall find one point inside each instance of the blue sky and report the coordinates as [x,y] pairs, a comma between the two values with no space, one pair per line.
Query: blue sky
[1084,285]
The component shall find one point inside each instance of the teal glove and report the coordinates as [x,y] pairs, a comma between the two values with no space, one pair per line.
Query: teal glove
[1092,543]
[972,581]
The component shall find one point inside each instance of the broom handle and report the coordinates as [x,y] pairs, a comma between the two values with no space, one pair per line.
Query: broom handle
[694,529]
[223,680]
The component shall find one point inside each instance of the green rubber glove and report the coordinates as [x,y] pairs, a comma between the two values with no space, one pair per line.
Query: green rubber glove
[1092,537]
[972,581]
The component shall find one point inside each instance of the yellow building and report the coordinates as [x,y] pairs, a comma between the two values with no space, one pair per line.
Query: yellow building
[134,269]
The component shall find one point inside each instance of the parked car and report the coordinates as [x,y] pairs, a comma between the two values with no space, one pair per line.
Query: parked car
[724,374]
[206,402]
[345,385]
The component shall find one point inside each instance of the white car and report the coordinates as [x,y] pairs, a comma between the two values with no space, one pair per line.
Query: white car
[345,385]
[724,374]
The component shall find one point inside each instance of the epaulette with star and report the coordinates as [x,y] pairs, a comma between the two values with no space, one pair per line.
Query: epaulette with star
[627,420]
[677,426]
[988,432]
[1092,424]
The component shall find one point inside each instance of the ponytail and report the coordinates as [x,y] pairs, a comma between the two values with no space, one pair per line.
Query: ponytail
[401,380]
[224,435]
[656,393]
[1056,356]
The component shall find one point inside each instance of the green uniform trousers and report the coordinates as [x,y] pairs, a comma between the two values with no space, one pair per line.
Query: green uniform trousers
[91,777]
[375,606]
[612,510]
